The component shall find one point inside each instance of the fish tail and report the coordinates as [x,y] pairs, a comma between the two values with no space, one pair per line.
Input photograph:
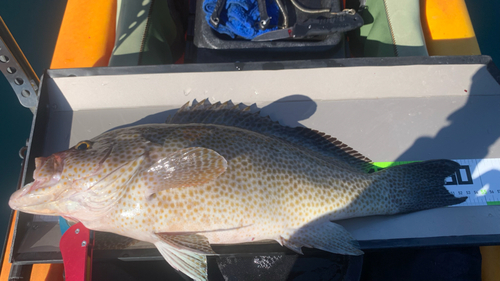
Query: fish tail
[419,186]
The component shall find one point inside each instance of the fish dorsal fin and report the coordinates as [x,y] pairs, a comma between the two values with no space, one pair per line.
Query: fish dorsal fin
[229,114]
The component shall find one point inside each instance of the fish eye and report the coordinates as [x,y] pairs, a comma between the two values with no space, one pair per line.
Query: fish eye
[83,145]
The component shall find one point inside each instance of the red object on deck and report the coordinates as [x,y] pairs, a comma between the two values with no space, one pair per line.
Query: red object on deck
[76,249]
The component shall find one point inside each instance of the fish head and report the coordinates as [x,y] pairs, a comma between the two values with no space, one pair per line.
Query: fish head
[78,181]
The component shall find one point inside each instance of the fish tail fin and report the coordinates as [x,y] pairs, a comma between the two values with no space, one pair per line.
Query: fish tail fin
[420,185]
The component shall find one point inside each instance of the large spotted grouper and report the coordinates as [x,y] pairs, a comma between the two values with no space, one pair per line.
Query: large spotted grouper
[220,174]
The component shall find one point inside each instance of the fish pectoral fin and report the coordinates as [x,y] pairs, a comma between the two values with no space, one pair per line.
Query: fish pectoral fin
[195,243]
[186,167]
[192,264]
[327,236]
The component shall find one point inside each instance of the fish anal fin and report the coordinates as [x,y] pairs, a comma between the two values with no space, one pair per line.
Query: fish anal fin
[327,236]
[195,243]
[190,263]
[186,167]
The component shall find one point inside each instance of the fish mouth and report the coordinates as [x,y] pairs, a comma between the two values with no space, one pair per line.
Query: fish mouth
[22,200]
[42,196]
[14,201]
[33,196]
[27,196]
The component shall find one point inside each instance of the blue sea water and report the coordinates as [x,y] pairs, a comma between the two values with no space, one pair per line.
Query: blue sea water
[485,17]
[35,25]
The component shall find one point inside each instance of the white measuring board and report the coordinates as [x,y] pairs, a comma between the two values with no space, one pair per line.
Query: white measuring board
[477,179]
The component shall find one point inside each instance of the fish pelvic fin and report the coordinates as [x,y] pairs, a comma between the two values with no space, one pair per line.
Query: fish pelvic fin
[420,185]
[195,243]
[326,236]
[188,262]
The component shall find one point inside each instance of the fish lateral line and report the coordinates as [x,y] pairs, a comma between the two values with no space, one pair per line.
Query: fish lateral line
[204,231]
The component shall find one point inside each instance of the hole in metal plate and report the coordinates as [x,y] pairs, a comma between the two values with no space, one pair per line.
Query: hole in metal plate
[19,81]
[25,93]
[4,58]
[11,70]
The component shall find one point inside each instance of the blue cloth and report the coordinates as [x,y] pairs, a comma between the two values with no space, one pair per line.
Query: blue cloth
[63,225]
[241,17]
